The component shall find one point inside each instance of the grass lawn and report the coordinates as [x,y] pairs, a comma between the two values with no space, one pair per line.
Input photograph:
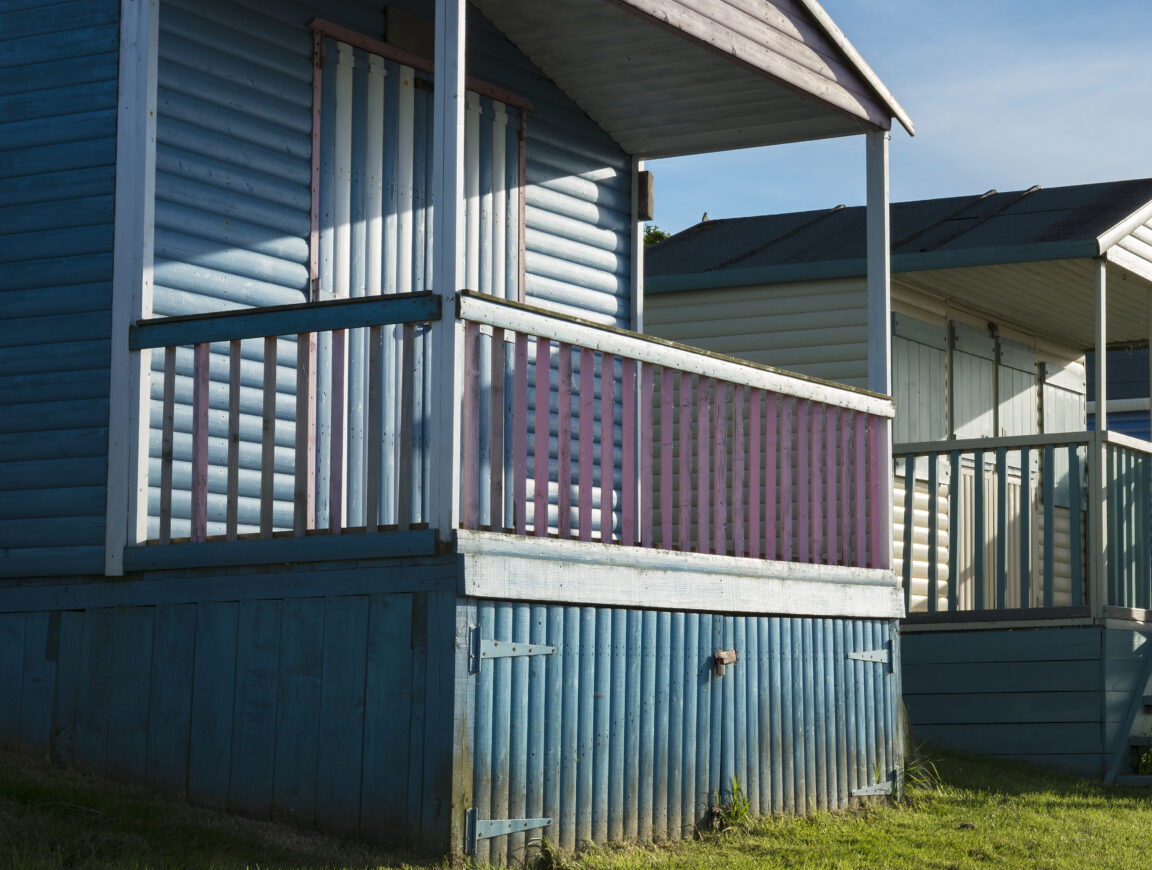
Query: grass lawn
[981,814]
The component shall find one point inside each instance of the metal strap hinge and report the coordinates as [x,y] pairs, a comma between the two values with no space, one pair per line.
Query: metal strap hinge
[878,788]
[485,829]
[880,656]
[481,649]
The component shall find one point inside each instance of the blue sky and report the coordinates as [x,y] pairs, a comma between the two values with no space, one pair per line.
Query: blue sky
[1004,94]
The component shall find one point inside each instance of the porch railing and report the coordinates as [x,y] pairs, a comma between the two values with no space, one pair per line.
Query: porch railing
[1024,523]
[318,418]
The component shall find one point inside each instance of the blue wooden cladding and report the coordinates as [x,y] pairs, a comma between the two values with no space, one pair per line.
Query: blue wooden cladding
[626,732]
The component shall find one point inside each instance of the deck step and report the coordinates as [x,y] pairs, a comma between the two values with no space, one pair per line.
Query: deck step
[1140,739]
[1133,780]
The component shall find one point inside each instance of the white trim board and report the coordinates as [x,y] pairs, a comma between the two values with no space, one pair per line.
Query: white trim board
[509,567]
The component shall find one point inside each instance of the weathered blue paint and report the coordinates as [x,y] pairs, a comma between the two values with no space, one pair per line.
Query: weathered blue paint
[57,153]
[693,734]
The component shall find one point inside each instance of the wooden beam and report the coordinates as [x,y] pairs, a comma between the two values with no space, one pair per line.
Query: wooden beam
[1101,268]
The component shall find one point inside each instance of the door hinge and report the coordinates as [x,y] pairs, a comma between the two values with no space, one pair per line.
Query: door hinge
[485,829]
[480,649]
[886,787]
[880,656]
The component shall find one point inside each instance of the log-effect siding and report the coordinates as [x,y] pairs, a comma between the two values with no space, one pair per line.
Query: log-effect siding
[314,707]
[815,328]
[58,88]
[627,733]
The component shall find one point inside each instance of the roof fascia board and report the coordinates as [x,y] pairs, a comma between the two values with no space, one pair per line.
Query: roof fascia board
[825,22]
[916,262]
[1111,236]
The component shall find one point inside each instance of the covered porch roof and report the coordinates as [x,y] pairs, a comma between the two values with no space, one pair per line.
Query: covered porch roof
[669,77]
[1028,257]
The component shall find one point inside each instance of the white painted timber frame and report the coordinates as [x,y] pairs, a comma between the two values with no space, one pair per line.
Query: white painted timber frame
[509,567]
[636,283]
[126,518]
[1101,344]
[658,351]
[448,105]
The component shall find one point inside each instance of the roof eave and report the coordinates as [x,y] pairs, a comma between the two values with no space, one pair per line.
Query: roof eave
[1114,234]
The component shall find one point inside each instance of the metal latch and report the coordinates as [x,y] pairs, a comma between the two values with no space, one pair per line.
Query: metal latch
[880,656]
[481,649]
[485,829]
[723,657]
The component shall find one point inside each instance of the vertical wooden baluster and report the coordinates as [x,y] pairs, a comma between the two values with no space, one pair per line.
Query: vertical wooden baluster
[1049,491]
[543,388]
[738,481]
[268,439]
[336,430]
[720,466]
[816,481]
[908,520]
[1026,527]
[564,444]
[667,439]
[607,443]
[587,437]
[787,418]
[232,498]
[685,531]
[755,428]
[470,429]
[859,466]
[406,453]
[772,456]
[845,487]
[978,532]
[200,376]
[933,519]
[831,530]
[628,457]
[1076,554]
[520,436]
[1002,528]
[703,460]
[303,467]
[168,412]
[953,530]
[496,423]
[647,402]
[803,503]
[879,492]
[375,429]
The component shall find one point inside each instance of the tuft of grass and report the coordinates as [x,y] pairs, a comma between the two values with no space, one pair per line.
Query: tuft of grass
[734,814]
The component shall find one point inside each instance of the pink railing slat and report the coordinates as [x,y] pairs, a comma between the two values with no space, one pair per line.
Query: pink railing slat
[845,488]
[647,448]
[496,430]
[831,532]
[628,457]
[787,414]
[587,436]
[685,448]
[232,486]
[520,436]
[406,448]
[470,429]
[168,416]
[719,467]
[375,429]
[200,376]
[703,457]
[667,438]
[861,514]
[816,482]
[564,444]
[879,491]
[803,466]
[607,444]
[268,439]
[336,471]
[755,429]
[738,482]
[540,447]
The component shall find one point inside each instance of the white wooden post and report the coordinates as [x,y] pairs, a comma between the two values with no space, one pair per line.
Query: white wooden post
[1150,366]
[1101,345]
[447,194]
[878,248]
[126,521]
[637,282]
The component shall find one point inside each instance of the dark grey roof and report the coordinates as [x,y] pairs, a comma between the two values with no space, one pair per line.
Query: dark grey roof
[1033,224]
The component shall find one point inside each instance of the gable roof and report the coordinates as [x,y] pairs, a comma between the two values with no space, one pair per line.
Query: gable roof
[985,229]
[667,77]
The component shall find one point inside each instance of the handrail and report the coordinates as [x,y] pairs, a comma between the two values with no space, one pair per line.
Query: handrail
[284,320]
[501,313]
[990,444]
[1127,441]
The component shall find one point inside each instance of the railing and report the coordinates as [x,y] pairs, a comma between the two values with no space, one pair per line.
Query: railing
[578,431]
[1029,523]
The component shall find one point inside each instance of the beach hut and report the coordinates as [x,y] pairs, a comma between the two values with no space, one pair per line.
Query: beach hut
[331,440]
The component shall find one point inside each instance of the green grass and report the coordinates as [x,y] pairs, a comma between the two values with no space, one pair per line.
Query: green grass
[977,814]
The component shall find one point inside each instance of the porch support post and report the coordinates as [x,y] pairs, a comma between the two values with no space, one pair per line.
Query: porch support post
[126,520]
[1150,366]
[880,307]
[1101,344]
[1098,465]
[450,761]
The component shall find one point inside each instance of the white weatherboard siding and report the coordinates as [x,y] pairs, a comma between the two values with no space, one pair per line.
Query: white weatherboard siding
[816,328]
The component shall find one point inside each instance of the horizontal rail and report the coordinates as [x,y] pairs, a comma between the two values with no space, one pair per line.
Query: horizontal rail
[284,320]
[1014,442]
[1127,441]
[658,351]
